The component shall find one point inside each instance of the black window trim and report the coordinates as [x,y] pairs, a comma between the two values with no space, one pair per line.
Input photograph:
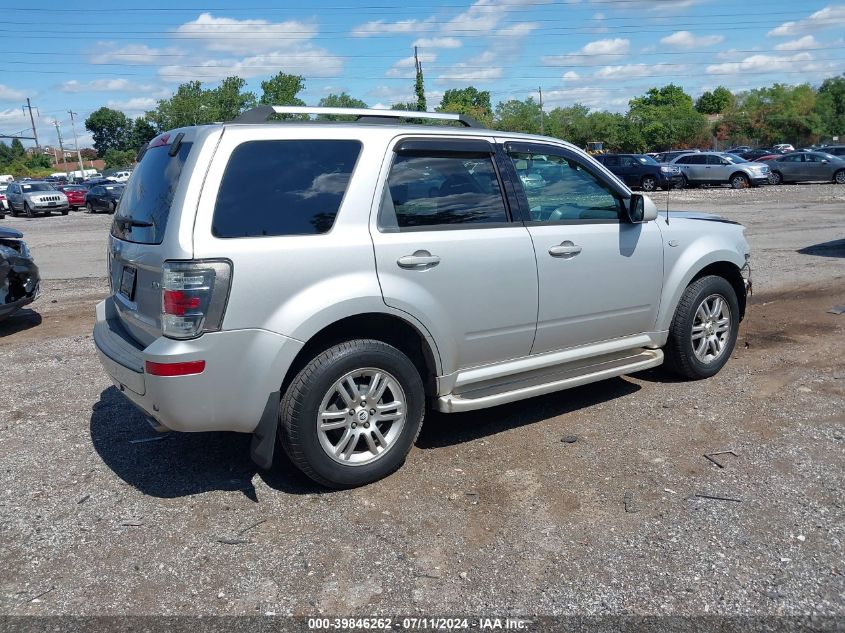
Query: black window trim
[440,148]
[543,148]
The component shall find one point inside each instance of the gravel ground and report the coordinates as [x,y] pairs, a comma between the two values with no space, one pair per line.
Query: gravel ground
[492,513]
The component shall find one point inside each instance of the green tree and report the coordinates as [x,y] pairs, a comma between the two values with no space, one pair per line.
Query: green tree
[715,102]
[88,153]
[282,89]
[228,100]
[17,150]
[518,116]
[142,132]
[664,118]
[830,106]
[342,100]
[38,161]
[570,123]
[110,128]
[469,101]
[116,159]
[419,87]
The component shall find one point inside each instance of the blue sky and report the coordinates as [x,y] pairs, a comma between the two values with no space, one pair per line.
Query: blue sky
[597,52]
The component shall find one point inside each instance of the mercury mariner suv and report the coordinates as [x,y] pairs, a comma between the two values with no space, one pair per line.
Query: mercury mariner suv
[321,283]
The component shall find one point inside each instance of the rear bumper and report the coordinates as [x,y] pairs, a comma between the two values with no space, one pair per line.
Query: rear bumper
[243,368]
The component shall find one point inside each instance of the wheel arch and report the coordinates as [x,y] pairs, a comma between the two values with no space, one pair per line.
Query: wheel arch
[739,172]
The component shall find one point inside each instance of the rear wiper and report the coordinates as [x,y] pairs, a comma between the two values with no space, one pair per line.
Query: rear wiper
[129,221]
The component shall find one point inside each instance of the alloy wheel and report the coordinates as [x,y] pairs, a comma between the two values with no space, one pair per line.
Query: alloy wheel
[361,416]
[711,328]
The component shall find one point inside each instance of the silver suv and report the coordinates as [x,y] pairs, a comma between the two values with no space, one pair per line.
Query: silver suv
[31,197]
[323,283]
[721,168]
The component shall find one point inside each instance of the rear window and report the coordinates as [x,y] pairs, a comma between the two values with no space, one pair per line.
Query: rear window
[145,205]
[283,187]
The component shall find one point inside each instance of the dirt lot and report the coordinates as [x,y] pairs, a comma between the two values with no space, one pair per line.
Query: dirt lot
[492,513]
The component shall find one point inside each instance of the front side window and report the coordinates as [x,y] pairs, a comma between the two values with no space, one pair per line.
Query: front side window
[611,161]
[629,161]
[566,191]
[431,190]
[291,187]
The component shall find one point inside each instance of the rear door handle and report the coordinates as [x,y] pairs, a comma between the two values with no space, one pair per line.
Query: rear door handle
[566,250]
[420,260]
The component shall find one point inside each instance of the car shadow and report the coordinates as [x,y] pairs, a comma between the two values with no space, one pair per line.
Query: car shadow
[173,465]
[448,429]
[834,248]
[19,321]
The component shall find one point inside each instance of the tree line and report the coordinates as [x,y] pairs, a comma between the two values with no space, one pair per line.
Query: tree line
[662,118]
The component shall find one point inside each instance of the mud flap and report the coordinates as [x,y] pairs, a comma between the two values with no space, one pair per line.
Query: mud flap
[264,436]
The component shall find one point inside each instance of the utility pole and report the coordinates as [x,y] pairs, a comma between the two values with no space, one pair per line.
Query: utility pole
[32,120]
[76,142]
[540,88]
[59,134]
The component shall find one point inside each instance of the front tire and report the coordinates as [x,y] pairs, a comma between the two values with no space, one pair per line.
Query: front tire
[839,177]
[89,208]
[704,329]
[351,415]
[740,181]
[649,183]
[27,210]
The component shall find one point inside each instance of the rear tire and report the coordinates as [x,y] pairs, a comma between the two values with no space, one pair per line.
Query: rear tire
[65,212]
[701,339]
[315,396]
[776,178]
[839,177]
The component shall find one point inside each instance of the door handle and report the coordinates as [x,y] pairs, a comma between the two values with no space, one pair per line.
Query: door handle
[420,260]
[566,250]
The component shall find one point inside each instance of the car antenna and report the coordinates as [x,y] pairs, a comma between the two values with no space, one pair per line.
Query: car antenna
[668,189]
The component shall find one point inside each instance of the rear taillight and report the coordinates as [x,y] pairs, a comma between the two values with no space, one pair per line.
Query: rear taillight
[193,297]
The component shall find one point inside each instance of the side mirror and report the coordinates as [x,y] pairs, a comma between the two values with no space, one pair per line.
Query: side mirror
[635,209]
[825,161]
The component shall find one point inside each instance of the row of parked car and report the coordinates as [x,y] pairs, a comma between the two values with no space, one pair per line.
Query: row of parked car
[693,168]
[33,197]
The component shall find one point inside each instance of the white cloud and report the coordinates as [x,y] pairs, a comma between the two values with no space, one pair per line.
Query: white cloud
[135,104]
[765,63]
[593,54]
[594,98]
[829,17]
[246,36]
[479,69]
[438,42]
[110,85]
[308,60]
[808,41]
[10,94]
[379,27]
[686,39]
[406,66]
[571,75]
[130,54]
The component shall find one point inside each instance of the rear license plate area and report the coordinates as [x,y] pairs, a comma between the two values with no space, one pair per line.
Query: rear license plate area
[127,282]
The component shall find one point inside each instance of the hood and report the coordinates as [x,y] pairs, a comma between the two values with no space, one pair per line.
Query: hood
[9,234]
[696,215]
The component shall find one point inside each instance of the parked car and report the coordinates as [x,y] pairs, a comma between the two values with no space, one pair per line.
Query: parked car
[75,195]
[270,280]
[808,166]
[754,154]
[31,197]
[642,171]
[739,149]
[668,157]
[4,204]
[784,147]
[121,176]
[719,168]
[103,197]
[19,277]
[836,150]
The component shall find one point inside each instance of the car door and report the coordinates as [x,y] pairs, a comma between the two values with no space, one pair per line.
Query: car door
[632,170]
[813,167]
[692,167]
[790,167]
[717,169]
[448,253]
[94,197]
[13,196]
[599,278]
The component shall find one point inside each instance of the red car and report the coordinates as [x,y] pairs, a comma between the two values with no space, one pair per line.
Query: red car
[75,195]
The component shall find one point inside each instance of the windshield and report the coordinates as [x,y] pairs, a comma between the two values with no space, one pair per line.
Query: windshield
[827,156]
[647,160]
[147,198]
[36,186]
[733,158]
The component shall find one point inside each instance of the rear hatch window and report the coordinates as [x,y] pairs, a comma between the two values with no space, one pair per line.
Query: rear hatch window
[144,207]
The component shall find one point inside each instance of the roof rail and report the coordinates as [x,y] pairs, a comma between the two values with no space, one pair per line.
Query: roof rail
[262,113]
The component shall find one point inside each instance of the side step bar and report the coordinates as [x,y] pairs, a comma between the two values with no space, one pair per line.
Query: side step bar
[519,388]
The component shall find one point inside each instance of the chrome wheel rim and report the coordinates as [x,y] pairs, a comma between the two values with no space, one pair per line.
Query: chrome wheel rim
[711,329]
[361,416]
[739,182]
[775,178]
[649,184]
[840,177]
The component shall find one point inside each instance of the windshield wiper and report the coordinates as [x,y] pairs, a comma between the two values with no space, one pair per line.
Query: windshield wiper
[129,221]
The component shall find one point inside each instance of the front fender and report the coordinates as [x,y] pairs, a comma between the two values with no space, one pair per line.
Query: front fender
[703,252]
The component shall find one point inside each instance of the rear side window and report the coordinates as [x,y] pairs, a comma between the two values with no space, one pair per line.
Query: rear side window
[145,206]
[283,187]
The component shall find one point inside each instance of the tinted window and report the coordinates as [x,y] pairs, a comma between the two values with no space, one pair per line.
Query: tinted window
[149,196]
[569,191]
[37,186]
[611,161]
[647,160]
[442,190]
[790,158]
[630,161]
[714,160]
[283,187]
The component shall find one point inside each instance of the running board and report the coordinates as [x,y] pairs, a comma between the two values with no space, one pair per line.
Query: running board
[566,377]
